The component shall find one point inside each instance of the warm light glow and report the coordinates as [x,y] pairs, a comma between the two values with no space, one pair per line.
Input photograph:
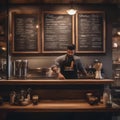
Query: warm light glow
[71,11]
[118,32]
[4,48]
[37,26]
[115,45]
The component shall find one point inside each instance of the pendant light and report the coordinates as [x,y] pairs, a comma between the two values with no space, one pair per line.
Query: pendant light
[71,11]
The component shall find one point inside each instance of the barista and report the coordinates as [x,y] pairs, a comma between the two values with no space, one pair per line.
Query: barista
[69,64]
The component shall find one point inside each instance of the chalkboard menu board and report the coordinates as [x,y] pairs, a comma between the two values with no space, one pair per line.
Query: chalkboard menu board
[25,29]
[90,32]
[57,32]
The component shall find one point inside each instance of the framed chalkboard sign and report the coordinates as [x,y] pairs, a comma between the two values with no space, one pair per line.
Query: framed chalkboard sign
[25,33]
[57,31]
[90,32]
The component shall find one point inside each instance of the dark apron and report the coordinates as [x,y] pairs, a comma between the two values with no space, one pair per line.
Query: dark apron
[69,73]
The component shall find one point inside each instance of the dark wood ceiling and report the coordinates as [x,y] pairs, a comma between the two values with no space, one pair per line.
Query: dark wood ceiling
[64,1]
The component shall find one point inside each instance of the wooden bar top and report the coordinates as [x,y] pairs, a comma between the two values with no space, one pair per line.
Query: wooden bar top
[59,106]
[55,81]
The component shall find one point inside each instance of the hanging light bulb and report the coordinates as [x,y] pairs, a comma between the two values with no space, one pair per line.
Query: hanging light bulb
[71,11]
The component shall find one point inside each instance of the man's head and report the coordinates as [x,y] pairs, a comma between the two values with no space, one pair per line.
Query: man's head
[71,50]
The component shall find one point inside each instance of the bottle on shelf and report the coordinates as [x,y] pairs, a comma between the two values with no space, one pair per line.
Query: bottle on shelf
[107,98]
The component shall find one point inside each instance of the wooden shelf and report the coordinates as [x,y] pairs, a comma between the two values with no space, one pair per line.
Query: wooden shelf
[59,106]
[116,63]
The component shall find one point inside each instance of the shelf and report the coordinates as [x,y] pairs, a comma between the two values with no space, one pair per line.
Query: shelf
[116,63]
[117,69]
[60,106]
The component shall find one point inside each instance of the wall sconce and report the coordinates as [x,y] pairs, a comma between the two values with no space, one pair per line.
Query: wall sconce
[71,11]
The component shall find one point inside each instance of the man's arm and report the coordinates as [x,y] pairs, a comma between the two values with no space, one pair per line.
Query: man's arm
[58,62]
[56,71]
[80,67]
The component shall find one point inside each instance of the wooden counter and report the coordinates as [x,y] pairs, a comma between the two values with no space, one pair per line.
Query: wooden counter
[56,96]
[70,107]
[55,81]
[56,89]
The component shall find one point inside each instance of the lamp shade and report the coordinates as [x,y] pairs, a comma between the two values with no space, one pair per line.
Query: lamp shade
[71,11]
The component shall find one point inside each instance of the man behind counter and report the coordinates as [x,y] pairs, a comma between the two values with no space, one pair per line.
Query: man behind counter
[69,64]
